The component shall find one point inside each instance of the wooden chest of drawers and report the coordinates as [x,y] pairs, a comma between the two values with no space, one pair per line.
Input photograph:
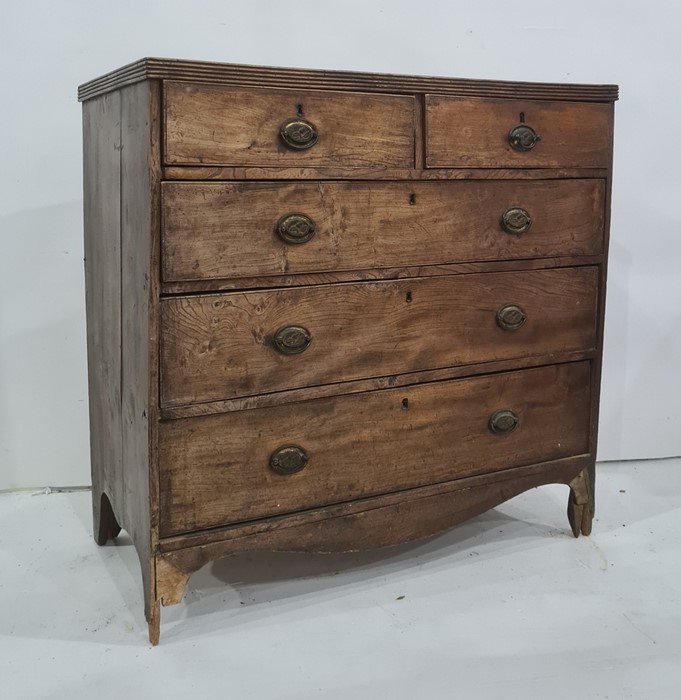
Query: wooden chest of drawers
[331,311]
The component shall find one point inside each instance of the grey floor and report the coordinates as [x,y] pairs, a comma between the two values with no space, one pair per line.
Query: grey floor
[508,606]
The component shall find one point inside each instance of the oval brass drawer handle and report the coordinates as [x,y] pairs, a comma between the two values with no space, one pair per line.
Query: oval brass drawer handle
[290,340]
[522,137]
[288,459]
[510,317]
[298,133]
[503,421]
[295,228]
[515,220]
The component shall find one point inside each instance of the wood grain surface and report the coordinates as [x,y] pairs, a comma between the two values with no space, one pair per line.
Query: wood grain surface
[102,247]
[208,124]
[340,172]
[366,523]
[375,274]
[215,469]
[249,75]
[221,346]
[356,386]
[122,238]
[221,230]
[474,133]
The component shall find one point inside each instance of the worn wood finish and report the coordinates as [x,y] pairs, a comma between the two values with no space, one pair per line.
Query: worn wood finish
[554,471]
[121,234]
[102,245]
[375,274]
[474,133]
[302,78]
[369,523]
[399,288]
[222,126]
[200,172]
[215,469]
[357,386]
[221,346]
[581,503]
[597,364]
[140,242]
[228,230]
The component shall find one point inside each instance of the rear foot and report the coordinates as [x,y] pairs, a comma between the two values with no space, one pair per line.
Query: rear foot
[580,509]
[106,526]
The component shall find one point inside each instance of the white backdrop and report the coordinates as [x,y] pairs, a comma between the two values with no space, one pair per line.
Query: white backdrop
[48,47]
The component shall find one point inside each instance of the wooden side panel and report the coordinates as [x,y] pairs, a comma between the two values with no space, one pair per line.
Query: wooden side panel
[121,235]
[222,346]
[140,167]
[213,125]
[102,244]
[474,133]
[215,469]
[214,230]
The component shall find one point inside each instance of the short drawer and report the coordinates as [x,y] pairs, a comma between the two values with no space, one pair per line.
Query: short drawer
[250,464]
[220,125]
[222,346]
[232,230]
[482,133]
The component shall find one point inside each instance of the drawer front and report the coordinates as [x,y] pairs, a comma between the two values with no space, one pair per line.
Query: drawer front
[223,346]
[231,230]
[218,125]
[220,469]
[477,133]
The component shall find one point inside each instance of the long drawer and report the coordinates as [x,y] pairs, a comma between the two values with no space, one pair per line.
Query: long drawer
[481,133]
[231,230]
[220,346]
[221,125]
[250,464]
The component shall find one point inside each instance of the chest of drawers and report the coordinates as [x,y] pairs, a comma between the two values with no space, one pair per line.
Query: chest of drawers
[330,311]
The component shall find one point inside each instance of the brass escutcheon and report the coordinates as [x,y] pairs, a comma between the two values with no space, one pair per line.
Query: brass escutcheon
[510,317]
[291,340]
[288,459]
[503,421]
[295,228]
[515,220]
[522,137]
[298,134]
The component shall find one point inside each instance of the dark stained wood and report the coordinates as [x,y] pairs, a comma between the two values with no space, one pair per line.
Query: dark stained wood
[288,396]
[227,230]
[200,172]
[598,361]
[387,273]
[215,125]
[368,523]
[392,398]
[221,346]
[474,133]
[554,471]
[581,503]
[248,75]
[419,134]
[215,469]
